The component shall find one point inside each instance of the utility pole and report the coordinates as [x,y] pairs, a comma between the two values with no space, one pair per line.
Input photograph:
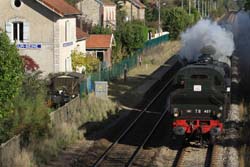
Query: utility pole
[159,16]
[131,10]
[189,6]
[182,4]
[202,8]
[198,6]
[205,6]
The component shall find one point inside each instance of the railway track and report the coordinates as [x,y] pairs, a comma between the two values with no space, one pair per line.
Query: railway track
[193,155]
[128,152]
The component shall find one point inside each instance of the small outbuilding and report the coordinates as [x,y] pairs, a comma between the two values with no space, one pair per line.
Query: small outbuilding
[100,45]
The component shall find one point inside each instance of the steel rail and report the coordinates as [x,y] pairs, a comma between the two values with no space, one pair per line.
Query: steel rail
[98,162]
[182,155]
[132,158]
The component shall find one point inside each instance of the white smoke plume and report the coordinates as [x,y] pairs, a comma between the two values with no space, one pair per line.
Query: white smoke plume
[205,33]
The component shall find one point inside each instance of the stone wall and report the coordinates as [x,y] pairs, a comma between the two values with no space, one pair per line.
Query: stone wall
[90,10]
[68,113]
[9,150]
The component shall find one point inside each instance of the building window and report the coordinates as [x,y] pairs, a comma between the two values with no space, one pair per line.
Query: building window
[18,31]
[16,4]
[67,31]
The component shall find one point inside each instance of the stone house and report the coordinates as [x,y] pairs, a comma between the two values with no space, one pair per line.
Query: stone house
[137,9]
[98,12]
[45,30]
[100,45]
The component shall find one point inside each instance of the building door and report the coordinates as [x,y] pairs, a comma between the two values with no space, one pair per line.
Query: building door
[100,56]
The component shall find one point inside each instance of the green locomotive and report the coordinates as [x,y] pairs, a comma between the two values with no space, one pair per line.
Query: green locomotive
[200,98]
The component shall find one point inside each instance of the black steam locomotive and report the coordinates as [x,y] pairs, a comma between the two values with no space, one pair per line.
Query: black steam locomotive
[200,98]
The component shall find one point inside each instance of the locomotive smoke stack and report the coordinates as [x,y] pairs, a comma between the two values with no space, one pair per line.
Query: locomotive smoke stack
[206,33]
[206,53]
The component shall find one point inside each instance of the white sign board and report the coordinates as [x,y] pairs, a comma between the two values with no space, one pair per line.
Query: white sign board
[101,88]
[197,88]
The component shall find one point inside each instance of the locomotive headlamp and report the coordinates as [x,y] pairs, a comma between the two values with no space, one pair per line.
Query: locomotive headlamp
[218,114]
[220,108]
[228,89]
[176,112]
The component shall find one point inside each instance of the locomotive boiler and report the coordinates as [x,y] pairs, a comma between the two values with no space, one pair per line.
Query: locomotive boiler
[200,98]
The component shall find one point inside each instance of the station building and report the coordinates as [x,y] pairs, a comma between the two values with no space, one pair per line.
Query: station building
[45,30]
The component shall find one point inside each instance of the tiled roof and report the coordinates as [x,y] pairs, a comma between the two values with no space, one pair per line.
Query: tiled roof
[99,41]
[80,34]
[108,2]
[138,3]
[60,7]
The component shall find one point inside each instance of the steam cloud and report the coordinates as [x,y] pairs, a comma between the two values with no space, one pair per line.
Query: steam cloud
[205,33]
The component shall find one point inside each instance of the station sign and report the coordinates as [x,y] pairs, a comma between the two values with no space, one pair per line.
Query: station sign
[67,44]
[29,46]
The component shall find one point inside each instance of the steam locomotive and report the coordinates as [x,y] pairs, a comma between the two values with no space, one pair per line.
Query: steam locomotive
[199,101]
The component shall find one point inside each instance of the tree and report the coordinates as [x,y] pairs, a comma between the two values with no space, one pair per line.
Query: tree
[97,29]
[247,5]
[132,36]
[11,73]
[175,20]
[29,64]
[91,63]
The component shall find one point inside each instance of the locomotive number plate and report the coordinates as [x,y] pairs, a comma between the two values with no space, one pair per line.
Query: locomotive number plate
[197,88]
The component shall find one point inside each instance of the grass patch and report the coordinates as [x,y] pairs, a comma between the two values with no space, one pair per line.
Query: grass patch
[93,109]
[63,134]
[24,159]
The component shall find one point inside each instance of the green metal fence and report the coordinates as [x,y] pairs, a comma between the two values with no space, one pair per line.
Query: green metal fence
[156,41]
[117,70]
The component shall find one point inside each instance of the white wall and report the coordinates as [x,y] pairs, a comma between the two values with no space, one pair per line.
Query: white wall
[65,47]
[40,30]
[109,14]
[81,46]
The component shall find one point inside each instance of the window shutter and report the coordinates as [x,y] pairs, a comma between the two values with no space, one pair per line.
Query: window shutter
[26,32]
[9,30]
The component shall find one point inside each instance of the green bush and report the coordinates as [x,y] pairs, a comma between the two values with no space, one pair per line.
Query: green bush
[98,29]
[30,114]
[11,73]
[132,36]
[90,62]
[175,20]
